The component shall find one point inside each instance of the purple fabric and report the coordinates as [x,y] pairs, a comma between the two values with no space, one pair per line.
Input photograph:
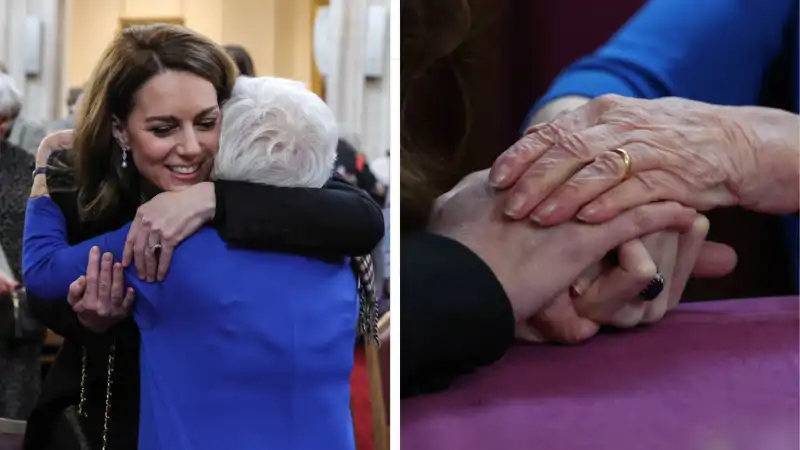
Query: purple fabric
[710,376]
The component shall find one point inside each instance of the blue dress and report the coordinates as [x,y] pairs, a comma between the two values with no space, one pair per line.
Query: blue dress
[715,51]
[240,349]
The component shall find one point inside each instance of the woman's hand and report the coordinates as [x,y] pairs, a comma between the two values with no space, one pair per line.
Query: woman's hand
[163,223]
[7,285]
[53,141]
[610,296]
[534,264]
[697,154]
[100,299]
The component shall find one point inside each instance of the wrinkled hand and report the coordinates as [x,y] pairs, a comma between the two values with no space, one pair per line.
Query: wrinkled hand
[53,141]
[166,220]
[533,264]
[100,299]
[694,153]
[7,285]
[609,296]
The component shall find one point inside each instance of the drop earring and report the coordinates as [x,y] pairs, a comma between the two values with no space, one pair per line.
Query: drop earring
[124,163]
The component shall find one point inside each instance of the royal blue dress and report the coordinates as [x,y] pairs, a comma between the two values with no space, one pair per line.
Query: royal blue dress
[240,349]
[715,51]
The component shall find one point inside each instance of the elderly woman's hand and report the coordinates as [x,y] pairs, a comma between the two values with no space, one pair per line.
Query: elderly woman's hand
[163,223]
[697,154]
[610,296]
[100,299]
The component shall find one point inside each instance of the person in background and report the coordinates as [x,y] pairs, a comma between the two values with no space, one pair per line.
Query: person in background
[23,132]
[242,59]
[353,166]
[20,376]
[73,103]
[381,167]
[270,374]
[178,80]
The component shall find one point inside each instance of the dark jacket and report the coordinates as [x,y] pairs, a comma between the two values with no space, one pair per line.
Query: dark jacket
[456,315]
[336,220]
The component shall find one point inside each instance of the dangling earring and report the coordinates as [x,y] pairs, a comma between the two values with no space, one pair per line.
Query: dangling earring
[116,131]
[124,163]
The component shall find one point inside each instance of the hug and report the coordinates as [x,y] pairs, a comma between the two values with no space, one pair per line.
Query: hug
[246,329]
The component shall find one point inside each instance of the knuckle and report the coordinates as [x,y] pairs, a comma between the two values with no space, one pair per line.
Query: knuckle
[576,146]
[609,163]
[655,313]
[608,101]
[644,272]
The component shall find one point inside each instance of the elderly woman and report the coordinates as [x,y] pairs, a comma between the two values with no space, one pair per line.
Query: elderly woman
[147,134]
[267,372]
[19,349]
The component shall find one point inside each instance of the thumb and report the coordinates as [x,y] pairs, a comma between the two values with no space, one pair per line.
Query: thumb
[715,260]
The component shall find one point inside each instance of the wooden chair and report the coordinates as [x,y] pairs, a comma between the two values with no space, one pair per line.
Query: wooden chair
[378,392]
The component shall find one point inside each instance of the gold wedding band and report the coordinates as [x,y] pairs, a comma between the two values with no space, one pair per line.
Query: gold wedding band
[626,159]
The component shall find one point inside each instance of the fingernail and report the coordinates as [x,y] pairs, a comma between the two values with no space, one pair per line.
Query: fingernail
[106,257]
[544,212]
[117,266]
[95,249]
[587,213]
[515,205]
[499,176]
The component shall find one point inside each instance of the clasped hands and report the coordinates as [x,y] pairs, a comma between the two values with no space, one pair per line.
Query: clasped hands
[558,281]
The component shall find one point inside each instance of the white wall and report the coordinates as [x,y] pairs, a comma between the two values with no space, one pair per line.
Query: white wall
[361,105]
[377,112]
[44,95]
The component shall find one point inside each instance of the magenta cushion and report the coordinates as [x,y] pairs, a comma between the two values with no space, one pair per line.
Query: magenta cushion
[711,376]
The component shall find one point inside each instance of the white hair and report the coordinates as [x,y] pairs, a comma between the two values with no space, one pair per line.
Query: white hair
[10,97]
[275,131]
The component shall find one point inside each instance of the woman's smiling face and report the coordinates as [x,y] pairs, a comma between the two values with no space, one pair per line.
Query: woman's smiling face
[173,130]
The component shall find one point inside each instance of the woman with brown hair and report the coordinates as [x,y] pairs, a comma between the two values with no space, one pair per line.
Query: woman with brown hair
[242,60]
[471,279]
[154,99]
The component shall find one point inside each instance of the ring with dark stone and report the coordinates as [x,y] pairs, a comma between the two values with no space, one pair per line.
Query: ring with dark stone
[653,290]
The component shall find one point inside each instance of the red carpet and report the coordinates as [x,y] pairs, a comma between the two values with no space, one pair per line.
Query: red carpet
[360,403]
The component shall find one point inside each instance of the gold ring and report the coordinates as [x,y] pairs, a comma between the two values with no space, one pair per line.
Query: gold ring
[626,159]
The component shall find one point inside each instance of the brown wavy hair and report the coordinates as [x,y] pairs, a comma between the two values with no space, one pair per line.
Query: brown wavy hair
[434,115]
[133,57]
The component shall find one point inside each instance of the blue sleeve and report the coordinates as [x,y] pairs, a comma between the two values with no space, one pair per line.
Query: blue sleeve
[49,263]
[715,51]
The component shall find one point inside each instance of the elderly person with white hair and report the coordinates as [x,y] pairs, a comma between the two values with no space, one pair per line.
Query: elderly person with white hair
[20,338]
[240,349]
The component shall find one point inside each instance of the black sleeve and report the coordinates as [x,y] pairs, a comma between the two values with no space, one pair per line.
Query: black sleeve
[338,219]
[59,316]
[455,316]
